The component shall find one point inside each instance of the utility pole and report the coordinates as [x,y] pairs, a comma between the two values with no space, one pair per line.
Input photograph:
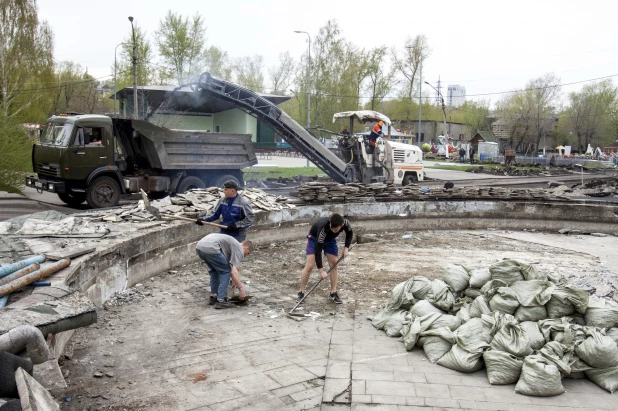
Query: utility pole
[440,99]
[420,104]
[135,106]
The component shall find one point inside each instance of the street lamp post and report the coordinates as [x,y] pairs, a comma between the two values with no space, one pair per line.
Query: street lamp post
[443,115]
[135,108]
[308,83]
[115,72]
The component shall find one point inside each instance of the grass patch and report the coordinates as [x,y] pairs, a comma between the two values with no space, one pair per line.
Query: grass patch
[262,173]
[9,189]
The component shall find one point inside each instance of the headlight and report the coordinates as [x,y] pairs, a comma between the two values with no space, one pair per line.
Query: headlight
[28,182]
[50,187]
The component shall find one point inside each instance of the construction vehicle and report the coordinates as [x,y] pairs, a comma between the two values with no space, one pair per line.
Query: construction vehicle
[97,158]
[352,161]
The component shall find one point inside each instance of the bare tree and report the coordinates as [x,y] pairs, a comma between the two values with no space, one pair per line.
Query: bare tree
[248,72]
[282,75]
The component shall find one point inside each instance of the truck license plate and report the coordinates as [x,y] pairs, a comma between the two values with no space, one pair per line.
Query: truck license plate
[37,184]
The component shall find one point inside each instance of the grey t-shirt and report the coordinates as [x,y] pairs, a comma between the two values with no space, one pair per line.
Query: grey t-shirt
[222,243]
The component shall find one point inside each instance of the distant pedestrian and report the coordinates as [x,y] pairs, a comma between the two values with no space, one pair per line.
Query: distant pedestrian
[472,153]
[223,255]
[462,155]
[234,210]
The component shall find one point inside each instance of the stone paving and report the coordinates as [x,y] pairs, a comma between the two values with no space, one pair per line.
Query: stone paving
[198,358]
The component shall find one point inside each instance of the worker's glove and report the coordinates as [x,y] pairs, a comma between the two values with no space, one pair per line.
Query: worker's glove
[232,227]
[199,221]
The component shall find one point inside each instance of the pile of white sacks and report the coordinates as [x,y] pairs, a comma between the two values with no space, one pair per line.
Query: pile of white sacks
[525,327]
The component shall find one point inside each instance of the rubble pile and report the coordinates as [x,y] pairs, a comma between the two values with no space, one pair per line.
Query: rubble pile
[318,192]
[191,204]
[525,327]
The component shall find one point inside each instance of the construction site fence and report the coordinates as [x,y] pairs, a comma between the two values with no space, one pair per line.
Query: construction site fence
[558,161]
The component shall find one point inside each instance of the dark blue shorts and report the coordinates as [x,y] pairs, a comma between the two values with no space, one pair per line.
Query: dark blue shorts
[330,247]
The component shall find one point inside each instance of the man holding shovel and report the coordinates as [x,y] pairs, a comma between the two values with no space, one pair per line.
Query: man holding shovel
[234,210]
[223,255]
[323,237]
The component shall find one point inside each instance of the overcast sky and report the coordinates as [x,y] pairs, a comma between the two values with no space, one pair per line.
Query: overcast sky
[486,46]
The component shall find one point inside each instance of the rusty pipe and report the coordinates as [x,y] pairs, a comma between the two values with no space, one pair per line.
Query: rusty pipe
[32,277]
[11,268]
[20,273]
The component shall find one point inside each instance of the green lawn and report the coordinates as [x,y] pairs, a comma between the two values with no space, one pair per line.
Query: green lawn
[8,188]
[262,173]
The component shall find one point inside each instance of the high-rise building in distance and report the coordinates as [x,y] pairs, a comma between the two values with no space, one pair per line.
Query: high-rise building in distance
[456,95]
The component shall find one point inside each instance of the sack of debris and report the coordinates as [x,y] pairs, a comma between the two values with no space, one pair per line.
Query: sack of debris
[457,277]
[513,339]
[539,378]
[537,341]
[533,293]
[511,271]
[461,360]
[474,335]
[530,313]
[479,307]
[414,326]
[504,301]
[424,307]
[598,350]
[479,277]
[394,323]
[558,354]
[606,378]
[441,295]
[601,313]
[611,332]
[567,300]
[502,367]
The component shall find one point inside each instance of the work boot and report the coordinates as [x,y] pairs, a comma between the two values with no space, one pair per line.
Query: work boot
[301,295]
[212,300]
[334,297]
[224,304]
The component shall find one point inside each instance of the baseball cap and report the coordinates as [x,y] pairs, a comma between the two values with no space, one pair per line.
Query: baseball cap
[231,184]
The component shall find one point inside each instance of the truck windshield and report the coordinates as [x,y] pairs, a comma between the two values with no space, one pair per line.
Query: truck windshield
[57,134]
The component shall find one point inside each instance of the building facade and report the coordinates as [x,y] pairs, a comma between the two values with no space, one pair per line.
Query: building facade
[456,95]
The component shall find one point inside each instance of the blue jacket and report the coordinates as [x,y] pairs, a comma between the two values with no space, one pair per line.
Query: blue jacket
[235,210]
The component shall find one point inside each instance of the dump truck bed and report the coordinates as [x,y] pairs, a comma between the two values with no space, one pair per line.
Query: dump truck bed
[181,149]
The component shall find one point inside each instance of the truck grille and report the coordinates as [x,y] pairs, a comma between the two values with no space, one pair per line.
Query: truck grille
[399,156]
[49,170]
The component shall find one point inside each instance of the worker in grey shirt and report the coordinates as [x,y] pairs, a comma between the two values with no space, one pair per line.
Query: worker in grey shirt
[223,255]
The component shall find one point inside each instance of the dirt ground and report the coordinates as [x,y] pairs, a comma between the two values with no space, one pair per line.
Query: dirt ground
[272,273]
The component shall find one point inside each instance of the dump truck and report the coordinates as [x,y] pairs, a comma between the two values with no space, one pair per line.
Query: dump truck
[97,158]
[353,161]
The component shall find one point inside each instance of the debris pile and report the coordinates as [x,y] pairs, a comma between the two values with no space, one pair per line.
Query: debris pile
[523,326]
[318,192]
[191,204]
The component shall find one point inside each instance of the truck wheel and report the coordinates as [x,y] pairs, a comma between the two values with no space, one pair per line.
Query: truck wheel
[409,179]
[218,182]
[189,183]
[103,192]
[73,199]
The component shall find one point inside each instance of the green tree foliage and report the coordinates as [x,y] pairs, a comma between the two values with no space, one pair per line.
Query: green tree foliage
[281,76]
[530,115]
[181,43]
[146,71]
[217,62]
[77,91]
[407,63]
[591,116]
[26,61]
[16,149]
[474,114]
[380,77]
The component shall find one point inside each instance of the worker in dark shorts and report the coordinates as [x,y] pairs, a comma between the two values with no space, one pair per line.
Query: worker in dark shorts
[323,237]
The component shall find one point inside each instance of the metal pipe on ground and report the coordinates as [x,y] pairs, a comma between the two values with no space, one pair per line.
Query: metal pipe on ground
[11,268]
[26,337]
[3,301]
[32,277]
[19,274]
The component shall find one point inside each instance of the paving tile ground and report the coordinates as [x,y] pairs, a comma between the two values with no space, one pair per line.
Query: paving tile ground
[275,363]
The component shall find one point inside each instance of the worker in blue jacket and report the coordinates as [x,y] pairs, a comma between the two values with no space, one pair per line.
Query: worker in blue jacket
[234,210]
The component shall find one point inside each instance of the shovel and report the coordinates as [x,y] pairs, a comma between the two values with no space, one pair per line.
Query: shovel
[157,214]
[292,313]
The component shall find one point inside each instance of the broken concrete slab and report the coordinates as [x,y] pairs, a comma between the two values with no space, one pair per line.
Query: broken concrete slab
[68,253]
[49,375]
[33,396]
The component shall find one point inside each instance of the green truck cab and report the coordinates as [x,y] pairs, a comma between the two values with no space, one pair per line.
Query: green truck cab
[97,158]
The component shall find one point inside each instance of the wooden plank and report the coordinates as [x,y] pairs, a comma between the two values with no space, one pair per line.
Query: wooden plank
[68,253]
